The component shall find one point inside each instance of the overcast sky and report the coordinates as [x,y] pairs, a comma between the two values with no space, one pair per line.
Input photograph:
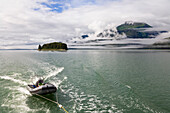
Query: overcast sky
[27,23]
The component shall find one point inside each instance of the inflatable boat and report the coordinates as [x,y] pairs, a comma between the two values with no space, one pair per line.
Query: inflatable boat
[41,88]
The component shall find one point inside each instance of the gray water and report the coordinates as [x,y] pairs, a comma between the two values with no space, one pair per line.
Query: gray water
[88,81]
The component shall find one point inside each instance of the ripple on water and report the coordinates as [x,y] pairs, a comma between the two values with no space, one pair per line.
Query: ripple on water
[82,102]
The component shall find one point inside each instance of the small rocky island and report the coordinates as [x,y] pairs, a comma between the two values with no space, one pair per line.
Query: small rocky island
[54,46]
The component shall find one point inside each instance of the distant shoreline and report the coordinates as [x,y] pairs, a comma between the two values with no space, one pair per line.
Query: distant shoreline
[18,49]
[144,48]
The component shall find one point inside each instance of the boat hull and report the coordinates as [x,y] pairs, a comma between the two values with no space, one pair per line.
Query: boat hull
[42,90]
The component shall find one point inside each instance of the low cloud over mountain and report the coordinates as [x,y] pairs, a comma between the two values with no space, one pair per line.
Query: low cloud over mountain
[136,34]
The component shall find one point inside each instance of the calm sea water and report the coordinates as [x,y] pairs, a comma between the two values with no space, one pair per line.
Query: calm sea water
[88,81]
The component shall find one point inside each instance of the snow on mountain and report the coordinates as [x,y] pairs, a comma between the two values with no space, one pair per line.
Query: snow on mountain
[129,22]
[106,35]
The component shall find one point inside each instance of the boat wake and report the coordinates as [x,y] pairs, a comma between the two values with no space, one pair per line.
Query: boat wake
[105,104]
[58,82]
[21,88]
[13,79]
[85,102]
[55,72]
[19,97]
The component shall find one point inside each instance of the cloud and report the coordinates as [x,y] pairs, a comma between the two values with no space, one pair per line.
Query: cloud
[24,22]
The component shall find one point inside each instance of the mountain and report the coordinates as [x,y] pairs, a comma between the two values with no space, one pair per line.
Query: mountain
[137,30]
[130,34]
[53,46]
[111,33]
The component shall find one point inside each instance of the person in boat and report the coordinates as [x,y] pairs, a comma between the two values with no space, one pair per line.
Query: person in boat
[39,82]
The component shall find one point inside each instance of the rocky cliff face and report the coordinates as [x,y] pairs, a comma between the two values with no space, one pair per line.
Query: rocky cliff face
[137,30]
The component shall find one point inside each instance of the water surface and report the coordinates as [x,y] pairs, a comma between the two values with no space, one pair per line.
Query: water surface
[99,81]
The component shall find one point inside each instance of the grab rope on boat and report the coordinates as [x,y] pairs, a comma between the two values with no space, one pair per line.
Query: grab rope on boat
[59,105]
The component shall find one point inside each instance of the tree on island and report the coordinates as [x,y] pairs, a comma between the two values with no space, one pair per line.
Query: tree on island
[53,46]
[39,47]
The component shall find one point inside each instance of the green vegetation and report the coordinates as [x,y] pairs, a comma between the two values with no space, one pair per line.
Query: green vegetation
[162,44]
[55,46]
[168,38]
[39,47]
[136,30]
[132,26]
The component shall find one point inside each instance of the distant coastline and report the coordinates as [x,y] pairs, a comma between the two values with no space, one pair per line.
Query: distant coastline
[100,48]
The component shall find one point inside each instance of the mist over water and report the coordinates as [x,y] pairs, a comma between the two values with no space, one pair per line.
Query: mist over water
[102,81]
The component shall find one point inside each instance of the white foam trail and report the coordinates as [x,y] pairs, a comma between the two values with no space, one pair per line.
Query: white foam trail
[65,78]
[23,90]
[55,72]
[14,80]
[128,86]
[16,74]
[85,101]
[59,82]
[20,89]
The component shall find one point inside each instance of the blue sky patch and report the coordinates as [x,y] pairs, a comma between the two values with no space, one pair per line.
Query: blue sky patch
[54,7]
[61,5]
